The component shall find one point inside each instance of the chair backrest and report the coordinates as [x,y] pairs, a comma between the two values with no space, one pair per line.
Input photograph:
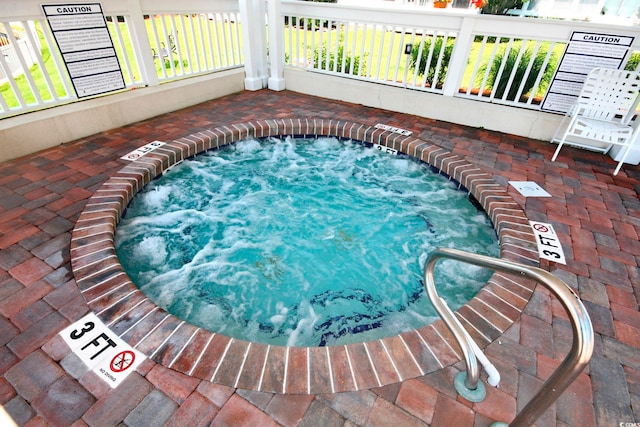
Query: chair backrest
[610,94]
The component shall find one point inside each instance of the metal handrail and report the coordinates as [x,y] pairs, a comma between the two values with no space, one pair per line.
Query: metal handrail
[571,366]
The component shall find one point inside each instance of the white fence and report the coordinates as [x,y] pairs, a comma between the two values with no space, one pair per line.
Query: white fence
[454,53]
[505,60]
[610,11]
[154,42]
[12,57]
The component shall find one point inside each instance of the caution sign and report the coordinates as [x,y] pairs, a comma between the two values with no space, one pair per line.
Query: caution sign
[101,350]
[549,246]
[82,35]
[584,52]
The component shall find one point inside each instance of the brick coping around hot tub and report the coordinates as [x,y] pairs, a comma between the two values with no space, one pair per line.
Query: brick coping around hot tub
[188,349]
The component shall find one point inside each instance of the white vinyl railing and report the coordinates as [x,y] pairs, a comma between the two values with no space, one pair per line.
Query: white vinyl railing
[153,45]
[19,89]
[184,45]
[505,60]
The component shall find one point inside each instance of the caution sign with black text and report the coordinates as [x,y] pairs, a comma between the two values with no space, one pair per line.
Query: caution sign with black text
[82,35]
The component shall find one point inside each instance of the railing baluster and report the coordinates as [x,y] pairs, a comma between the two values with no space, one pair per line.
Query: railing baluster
[55,56]
[119,46]
[314,44]
[226,42]
[512,75]
[178,34]
[374,30]
[33,45]
[399,49]
[158,45]
[419,56]
[289,36]
[25,68]
[220,51]
[192,48]
[362,29]
[343,43]
[488,65]
[203,48]
[207,44]
[353,31]
[235,39]
[545,63]
[4,67]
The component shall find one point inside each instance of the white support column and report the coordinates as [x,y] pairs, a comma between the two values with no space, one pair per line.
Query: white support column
[459,56]
[141,44]
[253,48]
[261,33]
[276,46]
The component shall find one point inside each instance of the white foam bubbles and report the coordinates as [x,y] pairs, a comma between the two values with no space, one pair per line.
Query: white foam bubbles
[157,198]
[280,236]
[151,249]
[247,146]
[304,328]
[327,144]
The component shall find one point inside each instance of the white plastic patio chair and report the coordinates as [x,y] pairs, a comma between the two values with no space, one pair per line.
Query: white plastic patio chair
[603,112]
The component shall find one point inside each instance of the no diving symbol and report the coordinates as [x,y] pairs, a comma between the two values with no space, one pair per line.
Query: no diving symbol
[122,361]
[541,228]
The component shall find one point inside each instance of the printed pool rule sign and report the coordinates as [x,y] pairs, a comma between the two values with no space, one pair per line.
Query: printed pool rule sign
[83,38]
[584,52]
[102,350]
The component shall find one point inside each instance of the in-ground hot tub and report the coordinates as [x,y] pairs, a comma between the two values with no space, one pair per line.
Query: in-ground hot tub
[284,369]
[301,242]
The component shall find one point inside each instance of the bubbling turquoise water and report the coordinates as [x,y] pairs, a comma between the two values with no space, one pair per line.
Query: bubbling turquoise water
[301,242]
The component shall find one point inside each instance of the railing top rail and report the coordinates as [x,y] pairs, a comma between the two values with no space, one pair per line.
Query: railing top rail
[25,10]
[453,19]
[583,338]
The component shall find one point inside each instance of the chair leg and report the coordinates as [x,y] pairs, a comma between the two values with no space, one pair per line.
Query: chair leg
[564,128]
[624,157]
[560,144]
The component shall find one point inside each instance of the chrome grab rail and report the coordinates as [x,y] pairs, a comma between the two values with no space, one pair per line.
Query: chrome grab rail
[571,366]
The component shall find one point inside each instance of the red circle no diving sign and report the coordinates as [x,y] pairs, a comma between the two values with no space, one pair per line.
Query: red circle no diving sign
[541,228]
[122,361]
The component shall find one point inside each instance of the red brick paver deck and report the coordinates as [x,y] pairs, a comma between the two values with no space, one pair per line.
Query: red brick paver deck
[597,217]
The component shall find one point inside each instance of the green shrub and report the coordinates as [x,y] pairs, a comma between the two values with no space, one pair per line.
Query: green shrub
[176,63]
[500,7]
[501,85]
[422,67]
[633,62]
[325,60]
